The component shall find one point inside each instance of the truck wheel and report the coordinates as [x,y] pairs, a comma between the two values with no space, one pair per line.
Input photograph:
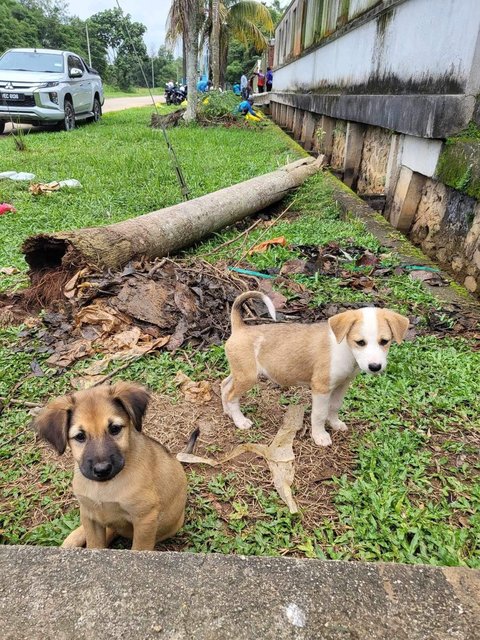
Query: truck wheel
[2,126]
[97,110]
[68,123]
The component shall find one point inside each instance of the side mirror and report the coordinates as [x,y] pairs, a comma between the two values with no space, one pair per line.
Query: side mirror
[76,73]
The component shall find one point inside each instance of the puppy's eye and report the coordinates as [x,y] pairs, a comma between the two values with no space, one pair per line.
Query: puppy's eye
[384,341]
[360,343]
[80,436]
[114,429]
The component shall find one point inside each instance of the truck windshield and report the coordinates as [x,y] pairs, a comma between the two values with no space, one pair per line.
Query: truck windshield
[32,61]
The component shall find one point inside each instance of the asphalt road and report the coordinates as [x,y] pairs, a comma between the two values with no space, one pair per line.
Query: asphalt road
[113,104]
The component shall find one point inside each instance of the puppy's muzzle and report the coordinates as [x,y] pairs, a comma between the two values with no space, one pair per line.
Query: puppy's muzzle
[102,470]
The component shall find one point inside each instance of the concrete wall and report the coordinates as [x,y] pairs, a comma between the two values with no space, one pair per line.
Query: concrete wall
[378,86]
[409,46]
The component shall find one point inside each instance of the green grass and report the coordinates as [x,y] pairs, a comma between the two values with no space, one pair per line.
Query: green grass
[114,92]
[414,493]
[126,170]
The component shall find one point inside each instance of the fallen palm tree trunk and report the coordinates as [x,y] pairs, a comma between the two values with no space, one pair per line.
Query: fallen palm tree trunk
[166,231]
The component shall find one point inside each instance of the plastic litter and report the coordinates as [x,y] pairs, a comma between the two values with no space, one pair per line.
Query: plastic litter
[6,208]
[71,183]
[248,272]
[14,175]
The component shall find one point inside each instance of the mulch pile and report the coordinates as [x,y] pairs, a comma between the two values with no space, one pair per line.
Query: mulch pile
[173,119]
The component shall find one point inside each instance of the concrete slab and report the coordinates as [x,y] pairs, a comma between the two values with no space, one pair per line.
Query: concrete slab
[76,594]
[353,153]
[408,192]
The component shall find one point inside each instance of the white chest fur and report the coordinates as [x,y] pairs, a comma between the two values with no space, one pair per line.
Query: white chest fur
[342,363]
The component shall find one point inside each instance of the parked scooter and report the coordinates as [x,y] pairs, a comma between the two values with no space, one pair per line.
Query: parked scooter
[175,94]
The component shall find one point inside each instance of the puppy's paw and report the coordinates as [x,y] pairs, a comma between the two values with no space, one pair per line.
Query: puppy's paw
[322,439]
[338,425]
[243,423]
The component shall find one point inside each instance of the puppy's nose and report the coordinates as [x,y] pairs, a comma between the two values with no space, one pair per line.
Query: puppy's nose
[102,469]
[374,366]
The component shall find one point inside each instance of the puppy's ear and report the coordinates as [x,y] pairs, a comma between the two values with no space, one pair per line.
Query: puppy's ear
[53,422]
[342,323]
[398,324]
[133,399]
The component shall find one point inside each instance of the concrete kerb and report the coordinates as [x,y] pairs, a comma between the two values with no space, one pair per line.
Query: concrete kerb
[76,594]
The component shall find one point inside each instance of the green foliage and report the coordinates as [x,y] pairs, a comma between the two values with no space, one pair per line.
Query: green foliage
[44,23]
[459,163]
[218,104]
[240,60]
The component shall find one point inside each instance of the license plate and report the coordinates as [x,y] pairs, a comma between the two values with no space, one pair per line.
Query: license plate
[12,96]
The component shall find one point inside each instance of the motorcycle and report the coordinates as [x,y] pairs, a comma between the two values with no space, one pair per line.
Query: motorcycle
[175,95]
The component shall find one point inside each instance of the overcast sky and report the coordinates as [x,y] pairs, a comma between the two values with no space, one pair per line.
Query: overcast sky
[152,14]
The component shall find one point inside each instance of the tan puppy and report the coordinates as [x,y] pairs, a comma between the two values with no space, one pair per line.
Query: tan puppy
[324,356]
[126,483]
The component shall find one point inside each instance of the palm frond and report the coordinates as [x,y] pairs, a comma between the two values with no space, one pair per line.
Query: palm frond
[251,11]
[180,12]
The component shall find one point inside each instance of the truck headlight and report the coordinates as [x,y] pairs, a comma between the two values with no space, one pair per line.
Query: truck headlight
[45,85]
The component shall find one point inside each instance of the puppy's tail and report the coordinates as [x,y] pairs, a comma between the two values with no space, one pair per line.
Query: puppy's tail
[192,441]
[236,314]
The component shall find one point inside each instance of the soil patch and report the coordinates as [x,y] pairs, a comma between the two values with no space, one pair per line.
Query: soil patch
[315,467]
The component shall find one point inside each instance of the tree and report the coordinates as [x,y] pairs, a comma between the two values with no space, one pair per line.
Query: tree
[123,40]
[164,232]
[248,22]
[184,20]
[215,42]
[45,23]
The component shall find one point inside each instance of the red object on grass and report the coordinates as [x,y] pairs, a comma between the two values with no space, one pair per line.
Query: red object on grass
[6,208]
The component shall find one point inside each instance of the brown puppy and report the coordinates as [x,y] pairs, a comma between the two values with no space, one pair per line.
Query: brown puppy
[324,356]
[126,483]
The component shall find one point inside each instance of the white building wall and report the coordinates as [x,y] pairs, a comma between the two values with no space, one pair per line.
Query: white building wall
[424,40]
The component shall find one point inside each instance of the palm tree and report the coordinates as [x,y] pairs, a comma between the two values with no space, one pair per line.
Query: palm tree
[184,20]
[215,42]
[246,21]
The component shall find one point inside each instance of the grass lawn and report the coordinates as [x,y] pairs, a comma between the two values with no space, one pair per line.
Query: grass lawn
[114,92]
[410,491]
[125,170]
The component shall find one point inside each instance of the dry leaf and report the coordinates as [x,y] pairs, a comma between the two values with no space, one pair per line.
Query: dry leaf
[278,455]
[9,271]
[39,188]
[263,246]
[185,300]
[69,289]
[76,350]
[368,259]
[101,318]
[194,392]
[432,278]
[295,265]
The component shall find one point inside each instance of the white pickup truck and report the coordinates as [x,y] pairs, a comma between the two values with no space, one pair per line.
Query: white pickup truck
[47,86]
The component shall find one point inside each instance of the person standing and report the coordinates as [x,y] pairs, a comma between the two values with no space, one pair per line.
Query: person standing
[269,79]
[260,81]
[244,87]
